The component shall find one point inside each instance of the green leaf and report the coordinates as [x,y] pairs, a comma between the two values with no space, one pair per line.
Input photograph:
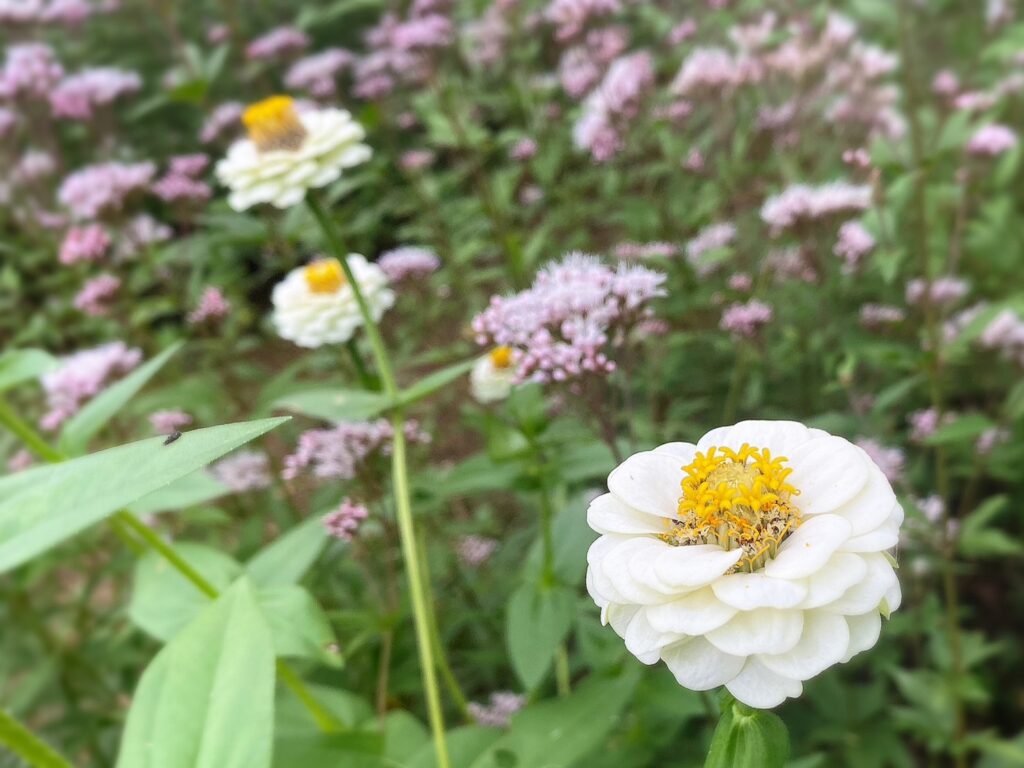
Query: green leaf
[298,624]
[465,744]
[434,381]
[19,365]
[538,620]
[355,749]
[335,404]
[197,488]
[965,429]
[54,503]
[559,732]
[287,559]
[26,745]
[207,699]
[747,738]
[84,425]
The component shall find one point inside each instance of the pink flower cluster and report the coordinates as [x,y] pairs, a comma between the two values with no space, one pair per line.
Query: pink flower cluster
[925,422]
[244,471]
[497,713]
[473,551]
[318,73]
[81,376]
[103,188]
[401,51]
[1005,333]
[801,203]
[992,140]
[408,262]
[940,292]
[68,12]
[746,320]
[79,95]
[854,243]
[890,460]
[88,243]
[712,71]
[570,17]
[581,67]
[139,233]
[343,522]
[212,305]
[562,326]
[180,184]
[710,239]
[223,118]
[278,42]
[641,251]
[338,452]
[94,297]
[613,104]
[166,422]
[30,70]
[875,316]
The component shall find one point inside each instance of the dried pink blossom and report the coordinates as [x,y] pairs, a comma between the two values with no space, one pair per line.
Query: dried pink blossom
[103,188]
[991,140]
[344,522]
[744,321]
[244,470]
[88,243]
[801,203]
[318,73]
[473,551]
[497,713]
[82,376]
[95,296]
[854,243]
[166,422]
[339,452]
[278,42]
[212,306]
[408,262]
[79,95]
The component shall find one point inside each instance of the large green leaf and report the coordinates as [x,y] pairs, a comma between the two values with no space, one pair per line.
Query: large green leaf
[299,625]
[207,699]
[84,425]
[465,744]
[197,488]
[19,365]
[334,404]
[560,732]
[64,499]
[287,559]
[538,620]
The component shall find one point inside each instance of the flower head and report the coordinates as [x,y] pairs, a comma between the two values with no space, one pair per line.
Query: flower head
[343,522]
[408,262]
[992,140]
[315,305]
[493,376]
[289,152]
[755,559]
[79,95]
[244,470]
[212,305]
[81,376]
[94,297]
[104,188]
[88,243]
[166,422]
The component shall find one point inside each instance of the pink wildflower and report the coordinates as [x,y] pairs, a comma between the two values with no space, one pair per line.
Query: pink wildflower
[744,321]
[212,306]
[278,42]
[408,262]
[94,297]
[81,376]
[344,522]
[88,243]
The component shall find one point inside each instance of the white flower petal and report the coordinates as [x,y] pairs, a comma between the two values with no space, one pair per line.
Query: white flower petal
[644,641]
[809,547]
[864,632]
[757,686]
[841,572]
[868,593]
[682,452]
[824,642]
[694,565]
[649,482]
[764,630]
[871,506]
[693,614]
[618,567]
[780,437]
[828,471]
[700,666]
[748,591]
[607,514]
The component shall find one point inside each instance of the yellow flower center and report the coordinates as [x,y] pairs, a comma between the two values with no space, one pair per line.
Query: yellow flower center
[501,357]
[274,124]
[737,500]
[324,276]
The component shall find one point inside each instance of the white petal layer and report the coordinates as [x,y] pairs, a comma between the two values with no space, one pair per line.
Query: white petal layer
[840,573]
[693,614]
[868,593]
[700,666]
[649,482]
[757,686]
[782,438]
[764,630]
[824,642]
[644,641]
[748,591]
[828,471]
[694,566]
[607,514]
[871,506]
[809,547]
[864,632]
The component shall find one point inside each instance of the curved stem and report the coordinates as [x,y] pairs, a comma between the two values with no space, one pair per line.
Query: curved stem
[26,745]
[32,440]
[415,570]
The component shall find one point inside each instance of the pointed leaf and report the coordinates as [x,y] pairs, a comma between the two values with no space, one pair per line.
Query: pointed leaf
[287,559]
[334,404]
[19,365]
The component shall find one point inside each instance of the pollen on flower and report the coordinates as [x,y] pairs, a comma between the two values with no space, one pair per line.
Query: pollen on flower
[501,357]
[274,124]
[325,276]
[736,499]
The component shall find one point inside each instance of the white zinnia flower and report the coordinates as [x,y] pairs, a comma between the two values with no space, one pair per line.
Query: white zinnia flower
[288,153]
[315,305]
[493,376]
[755,559]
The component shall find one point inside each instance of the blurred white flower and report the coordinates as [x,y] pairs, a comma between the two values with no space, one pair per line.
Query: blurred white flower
[493,376]
[288,153]
[315,304]
[755,559]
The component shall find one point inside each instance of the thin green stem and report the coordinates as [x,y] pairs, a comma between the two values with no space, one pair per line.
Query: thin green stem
[26,434]
[563,682]
[365,377]
[26,745]
[131,530]
[415,570]
[735,386]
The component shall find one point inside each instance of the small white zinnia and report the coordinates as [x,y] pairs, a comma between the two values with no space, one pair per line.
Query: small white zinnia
[755,559]
[288,153]
[315,304]
[493,376]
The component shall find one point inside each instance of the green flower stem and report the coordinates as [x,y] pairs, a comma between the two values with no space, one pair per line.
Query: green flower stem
[130,530]
[26,745]
[563,681]
[415,571]
[365,377]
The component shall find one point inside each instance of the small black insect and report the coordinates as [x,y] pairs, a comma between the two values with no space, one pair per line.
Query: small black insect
[172,437]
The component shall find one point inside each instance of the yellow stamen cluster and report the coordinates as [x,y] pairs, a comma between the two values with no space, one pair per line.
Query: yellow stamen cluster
[274,124]
[501,357]
[736,499]
[324,276]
